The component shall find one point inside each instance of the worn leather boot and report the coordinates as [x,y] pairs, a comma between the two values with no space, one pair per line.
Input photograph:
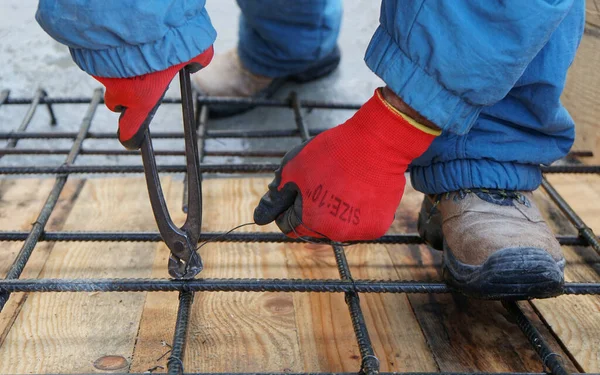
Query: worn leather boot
[496,244]
[226,76]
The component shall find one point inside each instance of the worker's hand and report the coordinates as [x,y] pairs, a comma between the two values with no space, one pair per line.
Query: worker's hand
[137,98]
[346,183]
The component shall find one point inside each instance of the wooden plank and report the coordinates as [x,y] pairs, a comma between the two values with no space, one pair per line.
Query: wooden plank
[325,330]
[592,13]
[261,331]
[20,202]
[464,334]
[238,332]
[581,95]
[397,337]
[159,314]
[278,332]
[241,331]
[326,335]
[582,192]
[575,320]
[158,317]
[67,332]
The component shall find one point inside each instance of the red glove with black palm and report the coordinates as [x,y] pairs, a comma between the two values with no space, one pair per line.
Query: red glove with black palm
[346,183]
[138,98]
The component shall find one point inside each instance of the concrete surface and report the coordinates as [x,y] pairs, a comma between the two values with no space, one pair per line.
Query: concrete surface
[30,59]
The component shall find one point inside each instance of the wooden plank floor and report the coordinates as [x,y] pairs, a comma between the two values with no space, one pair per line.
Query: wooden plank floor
[581,95]
[279,332]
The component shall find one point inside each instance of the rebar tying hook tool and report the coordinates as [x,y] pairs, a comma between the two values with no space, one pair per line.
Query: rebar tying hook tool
[184,262]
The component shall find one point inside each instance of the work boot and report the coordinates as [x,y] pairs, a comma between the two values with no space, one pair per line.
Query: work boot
[226,76]
[496,244]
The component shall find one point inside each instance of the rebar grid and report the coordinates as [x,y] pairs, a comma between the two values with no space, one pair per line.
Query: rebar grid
[186,288]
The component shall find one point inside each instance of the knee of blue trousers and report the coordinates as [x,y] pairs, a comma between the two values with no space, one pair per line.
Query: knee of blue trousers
[281,37]
[114,38]
[497,146]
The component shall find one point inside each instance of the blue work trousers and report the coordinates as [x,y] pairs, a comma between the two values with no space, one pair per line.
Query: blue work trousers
[489,73]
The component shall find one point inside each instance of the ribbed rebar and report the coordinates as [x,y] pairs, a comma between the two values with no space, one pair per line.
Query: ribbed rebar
[584,231]
[245,285]
[258,237]
[102,169]
[231,133]
[369,362]
[111,152]
[208,168]
[175,362]
[12,142]
[549,359]
[577,169]
[299,119]
[209,100]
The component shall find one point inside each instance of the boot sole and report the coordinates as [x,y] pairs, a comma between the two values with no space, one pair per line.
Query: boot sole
[516,274]
[324,67]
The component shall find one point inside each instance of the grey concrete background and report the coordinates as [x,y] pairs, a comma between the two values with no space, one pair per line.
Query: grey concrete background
[30,59]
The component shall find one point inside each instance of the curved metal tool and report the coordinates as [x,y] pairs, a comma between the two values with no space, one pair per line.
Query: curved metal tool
[184,262]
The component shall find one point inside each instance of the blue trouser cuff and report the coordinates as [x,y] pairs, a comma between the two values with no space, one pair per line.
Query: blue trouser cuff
[417,88]
[179,45]
[475,173]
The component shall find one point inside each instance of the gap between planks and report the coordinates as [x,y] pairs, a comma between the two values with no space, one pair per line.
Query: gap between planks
[67,332]
[21,201]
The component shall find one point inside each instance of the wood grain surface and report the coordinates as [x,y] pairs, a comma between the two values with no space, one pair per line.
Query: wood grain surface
[280,332]
[20,203]
[575,320]
[581,95]
[68,332]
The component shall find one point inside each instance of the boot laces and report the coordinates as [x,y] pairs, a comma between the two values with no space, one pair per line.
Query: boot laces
[500,197]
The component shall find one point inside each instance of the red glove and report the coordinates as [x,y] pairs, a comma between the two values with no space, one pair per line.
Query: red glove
[138,98]
[346,183]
